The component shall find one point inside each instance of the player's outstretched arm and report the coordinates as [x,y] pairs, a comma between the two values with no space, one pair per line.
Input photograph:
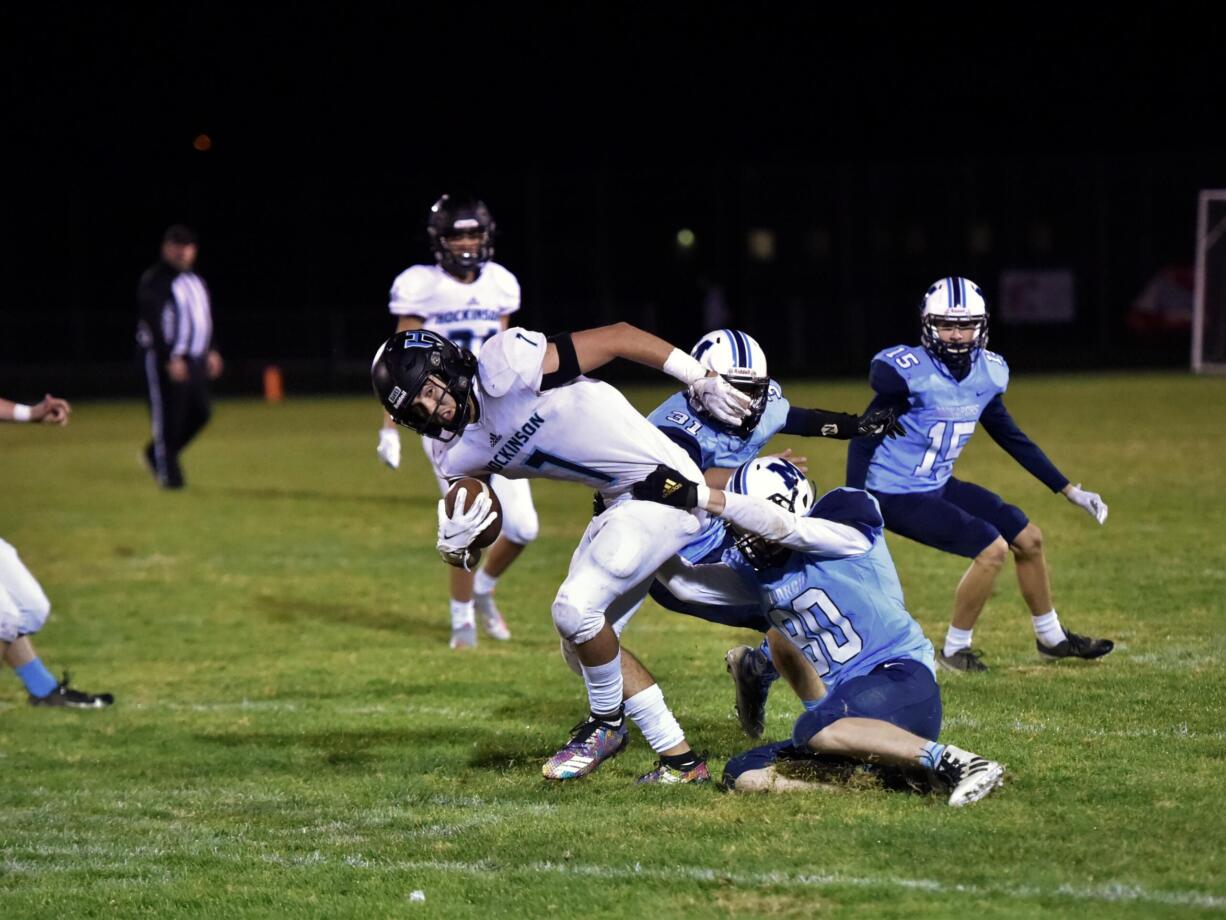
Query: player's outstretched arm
[50,409]
[772,522]
[589,349]
[843,426]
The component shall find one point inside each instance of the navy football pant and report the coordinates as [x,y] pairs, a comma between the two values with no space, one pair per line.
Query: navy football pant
[902,692]
[960,517]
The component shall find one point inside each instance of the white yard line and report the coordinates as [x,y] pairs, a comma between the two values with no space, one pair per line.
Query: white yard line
[1112,892]
[1107,893]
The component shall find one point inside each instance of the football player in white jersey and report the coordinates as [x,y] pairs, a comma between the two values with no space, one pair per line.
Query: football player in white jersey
[524,409]
[465,297]
[24,607]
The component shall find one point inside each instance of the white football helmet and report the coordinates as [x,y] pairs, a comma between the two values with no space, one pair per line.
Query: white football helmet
[776,480]
[740,360]
[954,300]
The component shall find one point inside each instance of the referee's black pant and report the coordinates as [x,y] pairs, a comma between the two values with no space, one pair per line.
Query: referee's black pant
[177,413]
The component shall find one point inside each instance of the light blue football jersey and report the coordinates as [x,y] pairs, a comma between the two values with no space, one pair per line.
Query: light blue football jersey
[677,419]
[845,614]
[942,417]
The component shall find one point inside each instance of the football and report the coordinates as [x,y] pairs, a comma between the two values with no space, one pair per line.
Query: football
[474,487]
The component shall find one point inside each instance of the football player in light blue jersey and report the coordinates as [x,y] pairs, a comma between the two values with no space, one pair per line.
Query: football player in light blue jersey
[942,390]
[717,449]
[825,581]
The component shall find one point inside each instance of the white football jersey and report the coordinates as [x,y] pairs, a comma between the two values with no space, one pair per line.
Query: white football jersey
[467,314]
[584,431]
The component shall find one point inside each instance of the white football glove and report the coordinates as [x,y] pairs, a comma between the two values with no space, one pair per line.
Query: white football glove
[1093,505]
[389,447]
[721,399]
[458,530]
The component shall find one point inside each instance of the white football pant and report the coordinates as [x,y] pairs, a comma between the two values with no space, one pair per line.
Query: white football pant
[23,605]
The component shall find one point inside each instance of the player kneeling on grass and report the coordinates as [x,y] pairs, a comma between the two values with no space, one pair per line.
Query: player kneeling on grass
[24,607]
[524,409]
[718,448]
[826,582]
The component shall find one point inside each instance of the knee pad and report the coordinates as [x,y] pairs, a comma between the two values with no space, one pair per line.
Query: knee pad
[25,620]
[10,625]
[574,622]
[571,656]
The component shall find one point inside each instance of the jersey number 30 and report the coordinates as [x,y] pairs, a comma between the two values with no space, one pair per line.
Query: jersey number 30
[812,624]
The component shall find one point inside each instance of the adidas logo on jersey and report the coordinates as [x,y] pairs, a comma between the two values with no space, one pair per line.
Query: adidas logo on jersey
[670,486]
[473,302]
[494,438]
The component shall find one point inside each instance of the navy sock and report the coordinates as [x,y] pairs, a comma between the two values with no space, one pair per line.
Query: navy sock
[37,678]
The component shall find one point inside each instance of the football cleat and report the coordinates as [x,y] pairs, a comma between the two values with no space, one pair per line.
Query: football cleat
[1074,646]
[592,742]
[964,659]
[71,698]
[751,689]
[666,775]
[491,617]
[968,776]
[463,637]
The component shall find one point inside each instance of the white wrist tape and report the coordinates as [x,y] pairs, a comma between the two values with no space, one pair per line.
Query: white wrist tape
[21,413]
[704,495]
[683,367]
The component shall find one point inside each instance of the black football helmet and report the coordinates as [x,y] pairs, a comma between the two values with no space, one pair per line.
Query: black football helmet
[400,369]
[453,215]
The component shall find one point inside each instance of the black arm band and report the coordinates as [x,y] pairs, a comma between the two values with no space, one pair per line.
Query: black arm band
[568,362]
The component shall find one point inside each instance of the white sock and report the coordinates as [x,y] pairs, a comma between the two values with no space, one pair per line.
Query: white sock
[1047,629]
[956,638]
[655,720]
[483,583]
[604,685]
[462,614]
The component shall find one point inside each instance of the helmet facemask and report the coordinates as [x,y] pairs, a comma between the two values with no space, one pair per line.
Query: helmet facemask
[955,356]
[451,218]
[755,387]
[758,552]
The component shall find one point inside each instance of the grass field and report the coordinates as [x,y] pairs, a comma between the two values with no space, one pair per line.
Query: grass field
[293,737]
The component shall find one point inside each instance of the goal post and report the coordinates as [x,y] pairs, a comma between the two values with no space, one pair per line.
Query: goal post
[1209,287]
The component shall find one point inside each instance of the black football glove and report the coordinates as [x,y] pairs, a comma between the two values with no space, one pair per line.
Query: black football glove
[667,487]
[879,422]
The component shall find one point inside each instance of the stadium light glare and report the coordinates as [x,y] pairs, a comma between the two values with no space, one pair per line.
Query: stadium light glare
[203,143]
[685,238]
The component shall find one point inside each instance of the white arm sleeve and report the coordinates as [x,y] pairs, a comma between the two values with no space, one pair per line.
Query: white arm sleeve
[804,534]
[716,585]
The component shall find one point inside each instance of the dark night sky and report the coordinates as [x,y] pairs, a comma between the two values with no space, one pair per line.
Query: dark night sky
[333,131]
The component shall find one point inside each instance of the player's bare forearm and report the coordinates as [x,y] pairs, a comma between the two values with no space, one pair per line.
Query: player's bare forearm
[597,347]
[50,409]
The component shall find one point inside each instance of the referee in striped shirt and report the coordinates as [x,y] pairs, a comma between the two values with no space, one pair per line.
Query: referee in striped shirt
[175,334]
